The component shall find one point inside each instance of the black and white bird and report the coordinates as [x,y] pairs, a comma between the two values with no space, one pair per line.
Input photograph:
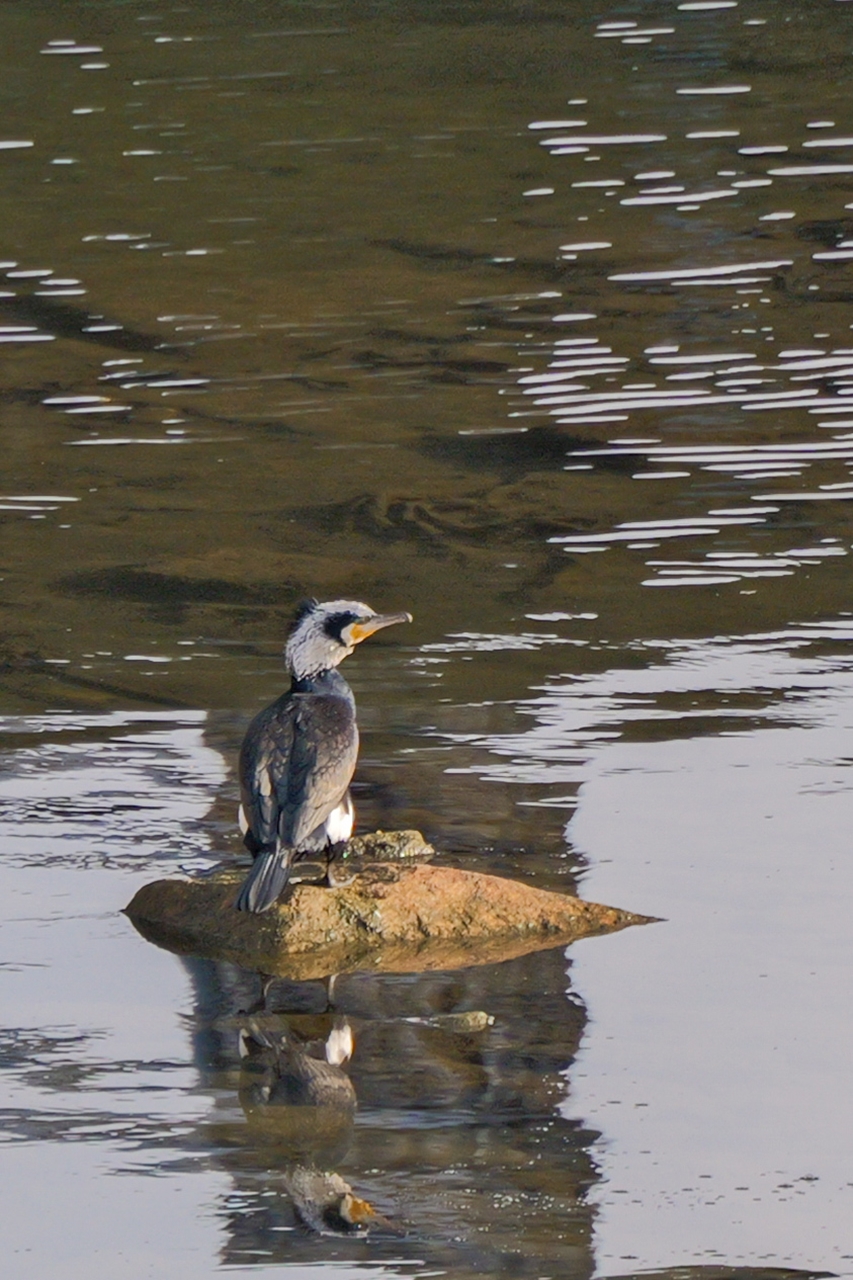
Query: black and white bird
[299,755]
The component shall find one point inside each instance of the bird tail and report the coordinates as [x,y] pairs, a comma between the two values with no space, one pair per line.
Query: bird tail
[268,877]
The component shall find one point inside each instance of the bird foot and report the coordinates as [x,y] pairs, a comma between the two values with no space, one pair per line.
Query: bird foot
[337,876]
[260,1004]
[336,880]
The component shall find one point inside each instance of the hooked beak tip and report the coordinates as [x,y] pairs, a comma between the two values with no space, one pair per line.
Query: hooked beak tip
[390,619]
[361,630]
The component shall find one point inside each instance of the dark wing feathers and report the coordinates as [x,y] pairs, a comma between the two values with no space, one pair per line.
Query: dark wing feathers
[296,764]
[264,754]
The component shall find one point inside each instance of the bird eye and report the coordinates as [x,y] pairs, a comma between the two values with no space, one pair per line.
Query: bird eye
[334,625]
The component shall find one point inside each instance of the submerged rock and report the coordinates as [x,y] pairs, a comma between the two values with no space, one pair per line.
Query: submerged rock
[391,917]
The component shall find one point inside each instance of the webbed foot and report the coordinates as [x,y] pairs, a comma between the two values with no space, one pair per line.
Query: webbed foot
[337,876]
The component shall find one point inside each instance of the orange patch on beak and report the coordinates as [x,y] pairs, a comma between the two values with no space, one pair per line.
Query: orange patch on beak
[359,631]
[357,1211]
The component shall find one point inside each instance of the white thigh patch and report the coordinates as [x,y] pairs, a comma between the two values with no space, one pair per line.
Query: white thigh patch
[241,820]
[339,1045]
[340,821]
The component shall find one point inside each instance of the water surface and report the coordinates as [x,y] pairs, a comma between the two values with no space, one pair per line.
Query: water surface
[532,320]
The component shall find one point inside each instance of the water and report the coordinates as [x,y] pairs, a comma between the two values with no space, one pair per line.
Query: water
[534,321]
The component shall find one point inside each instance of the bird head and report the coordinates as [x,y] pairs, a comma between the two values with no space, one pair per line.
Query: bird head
[324,634]
[356,1214]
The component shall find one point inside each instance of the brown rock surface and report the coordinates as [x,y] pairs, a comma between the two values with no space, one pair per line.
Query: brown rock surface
[392,917]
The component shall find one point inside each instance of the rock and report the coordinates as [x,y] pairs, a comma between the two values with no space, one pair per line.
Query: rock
[391,917]
[388,846]
[459,1023]
[375,846]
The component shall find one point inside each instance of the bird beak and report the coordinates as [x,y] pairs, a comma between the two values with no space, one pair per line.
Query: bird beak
[365,627]
[360,1213]
[356,1211]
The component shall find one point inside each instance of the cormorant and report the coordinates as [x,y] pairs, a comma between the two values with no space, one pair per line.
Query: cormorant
[299,755]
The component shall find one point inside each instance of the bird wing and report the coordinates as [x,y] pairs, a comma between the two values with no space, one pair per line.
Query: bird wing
[264,755]
[322,762]
[296,764]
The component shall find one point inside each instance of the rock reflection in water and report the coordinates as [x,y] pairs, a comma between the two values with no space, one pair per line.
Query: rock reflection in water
[455,1152]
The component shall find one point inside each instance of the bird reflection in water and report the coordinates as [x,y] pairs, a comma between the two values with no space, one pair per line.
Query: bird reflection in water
[283,1071]
[461,1079]
[298,1093]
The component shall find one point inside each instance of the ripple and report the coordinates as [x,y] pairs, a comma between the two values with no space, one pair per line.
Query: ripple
[723,89]
[694,196]
[686,273]
[69,47]
[65,801]
[484,642]
[810,170]
[605,140]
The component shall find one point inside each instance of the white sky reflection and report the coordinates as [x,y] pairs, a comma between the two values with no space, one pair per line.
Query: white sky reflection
[716,792]
[718,1059]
